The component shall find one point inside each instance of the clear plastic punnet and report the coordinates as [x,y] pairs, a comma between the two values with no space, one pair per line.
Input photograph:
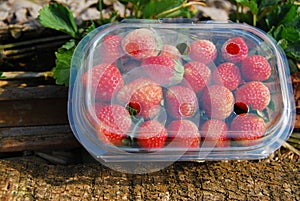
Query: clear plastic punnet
[146,93]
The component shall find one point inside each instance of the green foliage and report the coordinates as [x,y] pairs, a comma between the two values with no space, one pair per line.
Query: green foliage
[1,75]
[63,60]
[281,19]
[58,17]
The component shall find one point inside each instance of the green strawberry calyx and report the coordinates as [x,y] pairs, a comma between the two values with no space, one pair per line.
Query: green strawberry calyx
[178,74]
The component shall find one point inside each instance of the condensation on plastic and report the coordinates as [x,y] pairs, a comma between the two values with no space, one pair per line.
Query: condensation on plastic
[282,119]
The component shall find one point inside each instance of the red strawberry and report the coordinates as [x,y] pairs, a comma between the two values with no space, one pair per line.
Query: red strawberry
[181,102]
[254,94]
[92,112]
[217,101]
[170,51]
[183,133]
[111,49]
[215,133]
[247,128]
[203,51]
[163,70]
[197,75]
[235,49]
[114,122]
[144,95]
[151,135]
[141,43]
[104,80]
[256,68]
[227,74]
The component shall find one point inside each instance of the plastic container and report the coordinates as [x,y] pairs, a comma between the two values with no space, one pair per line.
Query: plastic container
[144,94]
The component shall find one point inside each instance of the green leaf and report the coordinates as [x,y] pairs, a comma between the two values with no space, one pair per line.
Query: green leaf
[1,73]
[286,32]
[293,66]
[58,17]
[155,7]
[283,14]
[293,50]
[251,4]
[290,15]
[63,61]
[267,3]
[283,43]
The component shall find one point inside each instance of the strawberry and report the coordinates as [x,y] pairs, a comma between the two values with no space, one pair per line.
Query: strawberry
[181,102]
[247,128]
[183,133]
[163,69]
[170,51]
[92,110]
[151,135]
[143,95]
[254,94]
[217,101]
[255,68]
[227,74]
[113,124]
[197,75]
[104,80]
[203,51]
[111,49]
[141,43]
[215,133]
[234,49]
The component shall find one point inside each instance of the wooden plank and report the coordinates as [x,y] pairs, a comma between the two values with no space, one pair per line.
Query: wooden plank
[36,92]
[33,112]
[37,138]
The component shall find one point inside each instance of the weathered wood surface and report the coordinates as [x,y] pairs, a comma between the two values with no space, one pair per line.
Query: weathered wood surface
[31,178]
[33,114]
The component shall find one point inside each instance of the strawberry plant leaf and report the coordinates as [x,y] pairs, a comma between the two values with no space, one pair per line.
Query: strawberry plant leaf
[267,3]
[251,4]
[63,61]
[155,7]
[58,17]
[293,50]
[1,75]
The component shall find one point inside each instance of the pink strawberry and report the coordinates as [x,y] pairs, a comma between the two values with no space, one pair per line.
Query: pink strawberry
[256,68]
[217,101]
[254,94]
[247,128]
[203,51]
[181,102]
[143,95]
[235,49]
[183,133]
[163,69]
[114,122]
[170,51]
[197,75]
[104,80]
[151,135]
[111,49]
[141,43]
[227,74]
[215,133]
